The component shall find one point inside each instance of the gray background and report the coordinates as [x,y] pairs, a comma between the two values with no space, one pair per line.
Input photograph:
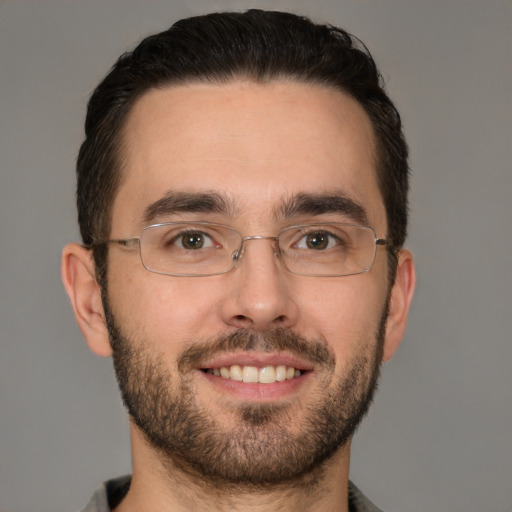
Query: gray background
[439,437]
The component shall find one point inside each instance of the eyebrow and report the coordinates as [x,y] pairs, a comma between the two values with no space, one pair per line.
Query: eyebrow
[318,204]
[193,202]
[213,202]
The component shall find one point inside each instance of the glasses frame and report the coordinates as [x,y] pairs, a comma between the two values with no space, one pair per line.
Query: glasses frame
[237,255]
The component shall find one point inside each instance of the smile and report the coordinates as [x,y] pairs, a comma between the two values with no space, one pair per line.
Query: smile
[262,375]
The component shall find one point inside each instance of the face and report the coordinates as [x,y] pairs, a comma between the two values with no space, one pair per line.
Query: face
[246,155]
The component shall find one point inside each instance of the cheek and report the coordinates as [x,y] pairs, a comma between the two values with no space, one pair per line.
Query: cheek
[345,313]
[162,309]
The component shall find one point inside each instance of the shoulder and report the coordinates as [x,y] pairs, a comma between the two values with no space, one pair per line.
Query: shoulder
[108,495]
[358,502]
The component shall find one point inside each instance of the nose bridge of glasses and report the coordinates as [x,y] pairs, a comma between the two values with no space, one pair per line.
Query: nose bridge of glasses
[238,253]
[259,237]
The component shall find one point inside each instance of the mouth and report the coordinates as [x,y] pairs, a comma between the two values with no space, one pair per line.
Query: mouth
[253,374]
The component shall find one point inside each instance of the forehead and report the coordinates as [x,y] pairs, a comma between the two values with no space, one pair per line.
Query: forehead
[257,144]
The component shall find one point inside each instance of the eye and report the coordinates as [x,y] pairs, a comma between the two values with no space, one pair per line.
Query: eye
[192,240]
[318,241]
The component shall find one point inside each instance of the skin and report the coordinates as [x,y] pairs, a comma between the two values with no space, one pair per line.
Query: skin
[259,145]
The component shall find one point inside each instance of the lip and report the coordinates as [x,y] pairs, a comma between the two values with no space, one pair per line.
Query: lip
[255,392]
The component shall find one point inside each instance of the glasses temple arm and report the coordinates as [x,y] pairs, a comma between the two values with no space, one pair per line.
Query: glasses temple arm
[125,242]
[386,242]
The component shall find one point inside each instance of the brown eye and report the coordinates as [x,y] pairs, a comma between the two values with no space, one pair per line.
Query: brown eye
[318,241]
[193,240]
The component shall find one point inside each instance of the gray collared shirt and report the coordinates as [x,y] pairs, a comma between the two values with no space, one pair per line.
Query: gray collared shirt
[112,492]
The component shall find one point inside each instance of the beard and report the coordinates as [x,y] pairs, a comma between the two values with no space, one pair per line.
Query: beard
[259,450]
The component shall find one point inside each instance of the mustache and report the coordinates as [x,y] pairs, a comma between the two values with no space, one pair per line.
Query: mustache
[277,340]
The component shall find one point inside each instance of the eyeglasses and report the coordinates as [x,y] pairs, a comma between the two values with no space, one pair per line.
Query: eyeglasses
[193,249]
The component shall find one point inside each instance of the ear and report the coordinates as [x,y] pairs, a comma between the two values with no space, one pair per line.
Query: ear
[79,279]
[399,303]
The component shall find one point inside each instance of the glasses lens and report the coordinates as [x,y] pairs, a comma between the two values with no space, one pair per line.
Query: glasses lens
[189,249]
[327,249]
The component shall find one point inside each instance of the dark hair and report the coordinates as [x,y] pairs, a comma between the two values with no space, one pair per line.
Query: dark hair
[257,45]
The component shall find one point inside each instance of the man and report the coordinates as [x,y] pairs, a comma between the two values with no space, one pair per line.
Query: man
[242,198]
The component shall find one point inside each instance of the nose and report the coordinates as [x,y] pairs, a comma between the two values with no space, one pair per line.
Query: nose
[260,296]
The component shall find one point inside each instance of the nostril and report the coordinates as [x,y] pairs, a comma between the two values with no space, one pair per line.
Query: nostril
[241,321]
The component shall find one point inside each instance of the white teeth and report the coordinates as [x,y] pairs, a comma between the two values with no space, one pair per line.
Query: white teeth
[264,375]
[267,375]
[250,374]
[280,373]
[234,373]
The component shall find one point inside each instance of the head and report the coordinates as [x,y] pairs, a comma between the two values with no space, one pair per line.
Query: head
[259,121]
[218,48]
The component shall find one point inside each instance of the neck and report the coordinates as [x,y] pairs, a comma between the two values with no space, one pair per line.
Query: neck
[159,484]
